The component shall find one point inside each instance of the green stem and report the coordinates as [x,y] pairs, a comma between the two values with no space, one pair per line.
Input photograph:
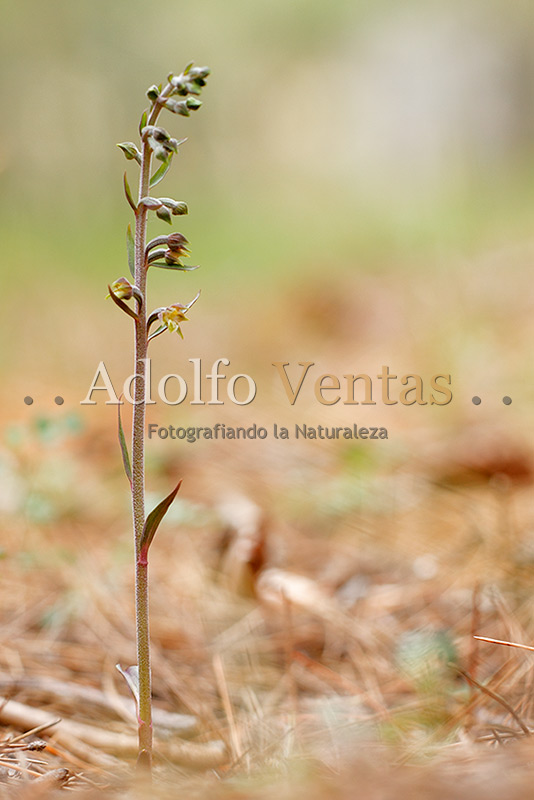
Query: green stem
[138,463]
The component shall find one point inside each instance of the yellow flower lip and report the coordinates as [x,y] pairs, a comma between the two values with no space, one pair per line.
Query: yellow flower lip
[174,256]
[122,289]
[172,316]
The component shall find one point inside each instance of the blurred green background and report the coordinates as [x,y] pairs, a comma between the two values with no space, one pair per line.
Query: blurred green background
[346,151]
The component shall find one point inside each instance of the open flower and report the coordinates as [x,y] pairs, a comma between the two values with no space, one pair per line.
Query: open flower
[122,289]
[172,316]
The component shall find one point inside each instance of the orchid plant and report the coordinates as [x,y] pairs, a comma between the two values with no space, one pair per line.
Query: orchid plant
[179,96]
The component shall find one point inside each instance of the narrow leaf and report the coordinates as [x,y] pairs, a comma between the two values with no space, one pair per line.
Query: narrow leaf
[128,194]
[131,676]
[158,332]
[179,267]
[130,248]
[160,172]
[122,305]
[144,120]
[193,301]
[154,518]
[124,449]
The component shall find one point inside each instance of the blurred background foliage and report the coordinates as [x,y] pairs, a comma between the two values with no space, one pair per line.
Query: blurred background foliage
[361,189]
[337,141]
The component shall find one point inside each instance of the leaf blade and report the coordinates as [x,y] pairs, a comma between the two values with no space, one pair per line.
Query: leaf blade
[158,332]
[124,449]
[131,676]
[160,173]
[153,520]
[128,193]
[179,267]
[130,249]
[143,121]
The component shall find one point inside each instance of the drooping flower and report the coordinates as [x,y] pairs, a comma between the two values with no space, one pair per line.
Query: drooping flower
[172,316]
[177,243]
[122,289]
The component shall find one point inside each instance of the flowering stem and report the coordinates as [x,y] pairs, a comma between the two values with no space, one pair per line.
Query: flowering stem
[155,142]
[138,462]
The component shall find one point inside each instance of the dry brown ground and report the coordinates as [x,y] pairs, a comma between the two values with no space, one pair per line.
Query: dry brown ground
[313,607]
[315,640]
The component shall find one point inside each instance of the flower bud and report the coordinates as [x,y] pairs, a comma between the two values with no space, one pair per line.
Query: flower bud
[180,87]
[130,151]
[177,107]
[160,151]
[177,243]
[177,207]
[153,93]
[180,209]
[194,87]
[164,214]
[160,134]
[198,72]
[193,103]
[178,83]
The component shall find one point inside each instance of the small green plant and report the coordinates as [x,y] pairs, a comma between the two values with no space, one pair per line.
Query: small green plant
[179,96]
